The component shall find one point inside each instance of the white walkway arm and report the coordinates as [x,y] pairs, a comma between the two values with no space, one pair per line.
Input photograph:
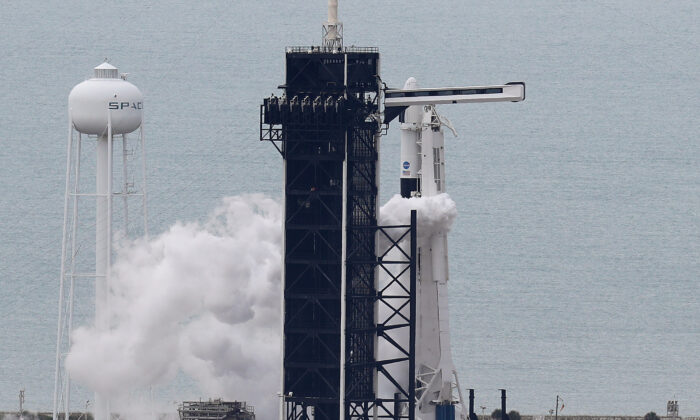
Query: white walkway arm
[510,92]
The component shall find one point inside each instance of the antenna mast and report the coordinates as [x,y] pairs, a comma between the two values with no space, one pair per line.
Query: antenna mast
[332,29]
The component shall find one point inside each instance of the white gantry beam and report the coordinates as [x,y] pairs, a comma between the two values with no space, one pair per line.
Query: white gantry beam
[510,92]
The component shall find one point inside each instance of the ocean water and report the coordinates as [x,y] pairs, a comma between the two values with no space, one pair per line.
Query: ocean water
[575,258]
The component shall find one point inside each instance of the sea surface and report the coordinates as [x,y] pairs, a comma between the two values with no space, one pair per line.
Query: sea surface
[575,258]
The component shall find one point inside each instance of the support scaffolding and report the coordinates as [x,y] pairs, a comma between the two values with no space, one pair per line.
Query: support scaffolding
[326,126]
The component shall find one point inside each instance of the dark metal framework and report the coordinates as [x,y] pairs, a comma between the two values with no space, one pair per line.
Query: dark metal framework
[326,126]
[396,299]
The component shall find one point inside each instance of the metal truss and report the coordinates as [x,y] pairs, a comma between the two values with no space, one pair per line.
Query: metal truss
[309,408]
[326,128]
[312,142]
[300,115]
[396,299]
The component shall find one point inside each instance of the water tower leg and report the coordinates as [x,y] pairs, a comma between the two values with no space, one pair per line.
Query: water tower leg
[71,288]
[143,182]
[59,330]
[125,186]
[102,242]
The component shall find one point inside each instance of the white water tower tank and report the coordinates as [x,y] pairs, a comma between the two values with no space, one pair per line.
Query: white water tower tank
[93,102]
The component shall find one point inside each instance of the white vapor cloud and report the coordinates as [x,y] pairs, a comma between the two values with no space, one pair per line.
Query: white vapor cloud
[434,213]
[201,298]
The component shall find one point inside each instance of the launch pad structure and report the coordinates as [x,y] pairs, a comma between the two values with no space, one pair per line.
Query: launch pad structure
[365,327]
[326,126]
[215,409]
[339,319]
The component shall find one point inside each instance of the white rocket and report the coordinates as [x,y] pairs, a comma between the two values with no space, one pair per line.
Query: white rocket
[423,174]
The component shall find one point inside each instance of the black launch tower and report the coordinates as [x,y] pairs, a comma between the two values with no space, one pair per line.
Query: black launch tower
[326,124]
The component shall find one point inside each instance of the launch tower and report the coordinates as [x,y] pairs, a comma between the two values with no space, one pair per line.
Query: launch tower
[326,125]
[353,311]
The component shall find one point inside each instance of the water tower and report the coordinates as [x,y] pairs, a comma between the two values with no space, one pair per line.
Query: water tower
[103,111]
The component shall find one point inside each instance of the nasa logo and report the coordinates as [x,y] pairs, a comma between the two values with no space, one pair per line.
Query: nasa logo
[406,165]
[122,105]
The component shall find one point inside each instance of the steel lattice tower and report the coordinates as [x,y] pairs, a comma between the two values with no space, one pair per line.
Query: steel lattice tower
[326,125]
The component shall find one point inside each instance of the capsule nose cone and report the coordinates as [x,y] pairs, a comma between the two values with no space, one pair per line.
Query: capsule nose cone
[411,83]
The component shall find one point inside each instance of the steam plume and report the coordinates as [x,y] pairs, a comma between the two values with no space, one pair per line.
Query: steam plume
[202,298]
